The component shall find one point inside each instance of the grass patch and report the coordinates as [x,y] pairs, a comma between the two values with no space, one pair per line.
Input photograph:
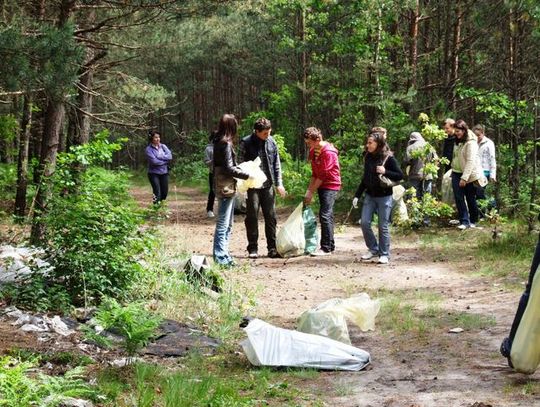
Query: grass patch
[201,382]
[419,312]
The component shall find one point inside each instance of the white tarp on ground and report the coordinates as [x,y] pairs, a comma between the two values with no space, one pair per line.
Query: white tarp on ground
[267,345]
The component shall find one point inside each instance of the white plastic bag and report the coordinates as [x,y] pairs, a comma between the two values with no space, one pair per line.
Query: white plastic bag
[267,345]
[257,176]
[290,239]
[399,209]
[447,193]
[329,318]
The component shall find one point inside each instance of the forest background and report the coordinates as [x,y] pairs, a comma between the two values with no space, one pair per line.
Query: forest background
[81,82]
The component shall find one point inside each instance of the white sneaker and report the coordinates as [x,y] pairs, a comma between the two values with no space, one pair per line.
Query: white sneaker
[472,225]
[454,222]
[368,256]
[210,214]
[462,227]
[320,252]
[253,255]
[383,260]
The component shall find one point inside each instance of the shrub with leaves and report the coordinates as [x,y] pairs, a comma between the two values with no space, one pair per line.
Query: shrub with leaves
[426,208]
[93,225]
[132,321]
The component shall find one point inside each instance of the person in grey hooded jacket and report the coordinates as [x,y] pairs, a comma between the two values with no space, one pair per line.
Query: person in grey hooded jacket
[417,178]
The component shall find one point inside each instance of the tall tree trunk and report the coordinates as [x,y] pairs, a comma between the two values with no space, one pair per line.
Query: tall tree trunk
[513,75]
[373,73]
[413,48]
[54,118]
[22,162]
[454,73]
[303,119]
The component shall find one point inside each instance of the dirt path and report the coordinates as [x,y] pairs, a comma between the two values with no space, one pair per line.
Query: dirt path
[408,369]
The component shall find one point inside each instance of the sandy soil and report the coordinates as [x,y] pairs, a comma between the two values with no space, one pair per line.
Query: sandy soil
[442,369]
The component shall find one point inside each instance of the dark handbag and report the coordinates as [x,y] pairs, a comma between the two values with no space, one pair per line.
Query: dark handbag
[384,181]
[224,184]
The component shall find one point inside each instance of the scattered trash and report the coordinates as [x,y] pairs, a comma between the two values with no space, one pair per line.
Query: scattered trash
[68,402]
[456,330]
[34,323]
[122,362]
[198,271]
[329,318]
[267,345]
[19,262]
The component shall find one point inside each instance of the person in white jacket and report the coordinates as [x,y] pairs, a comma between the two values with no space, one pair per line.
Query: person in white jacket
[466,173]
[486,155]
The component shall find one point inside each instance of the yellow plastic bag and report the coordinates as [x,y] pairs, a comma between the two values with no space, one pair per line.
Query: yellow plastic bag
[329,318]
[290,239]
[257,176]
[525,352]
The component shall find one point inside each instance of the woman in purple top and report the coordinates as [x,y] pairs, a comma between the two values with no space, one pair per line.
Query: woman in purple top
[159,157]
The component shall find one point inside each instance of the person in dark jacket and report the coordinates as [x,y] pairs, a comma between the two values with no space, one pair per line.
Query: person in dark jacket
[158,157]
[378,159]
[449,142]
[261,144]
[225,171]
[208,160]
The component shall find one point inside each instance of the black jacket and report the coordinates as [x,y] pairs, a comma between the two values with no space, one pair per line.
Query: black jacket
[370,181]
[249,150]
[448,150]
[225,159]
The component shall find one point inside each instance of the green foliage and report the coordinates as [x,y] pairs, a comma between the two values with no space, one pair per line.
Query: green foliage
[92,225]
[8,180]
[132,321]
[36,292]
[426,208]
[20,387]
[50,59]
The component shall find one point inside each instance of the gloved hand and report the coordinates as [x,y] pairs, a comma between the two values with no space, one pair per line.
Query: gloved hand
[355,202]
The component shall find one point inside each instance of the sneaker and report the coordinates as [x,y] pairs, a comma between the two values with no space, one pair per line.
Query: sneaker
[454,222]
[273,254]
[253,255]
[463,227]
[472,225]
[320,252]
[383,260]
[210,214]
[368,256]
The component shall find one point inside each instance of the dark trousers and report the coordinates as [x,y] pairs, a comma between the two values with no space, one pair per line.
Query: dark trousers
[481,196]
[211,194]
[467,212]
[327,198]
[160,186]
[263,198]
[525,296]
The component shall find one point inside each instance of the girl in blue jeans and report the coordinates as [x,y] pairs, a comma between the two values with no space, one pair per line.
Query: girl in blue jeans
[378,159]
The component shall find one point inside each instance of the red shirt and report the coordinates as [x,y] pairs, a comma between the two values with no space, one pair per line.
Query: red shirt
[326,167]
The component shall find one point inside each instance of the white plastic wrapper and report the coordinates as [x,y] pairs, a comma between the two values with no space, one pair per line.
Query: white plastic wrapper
[330,318]
[253,168]
[267,345]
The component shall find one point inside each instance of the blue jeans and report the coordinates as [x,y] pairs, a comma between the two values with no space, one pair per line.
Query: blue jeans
[422,187]
[467,212]
[383,206]
[224,224]
[327,198]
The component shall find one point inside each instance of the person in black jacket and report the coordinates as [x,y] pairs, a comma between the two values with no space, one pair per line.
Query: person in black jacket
[449,142]
[378,159]
[225,172]
[261,144]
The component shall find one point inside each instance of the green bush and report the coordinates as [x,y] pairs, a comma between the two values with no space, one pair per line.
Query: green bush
[93,225]
[132,321]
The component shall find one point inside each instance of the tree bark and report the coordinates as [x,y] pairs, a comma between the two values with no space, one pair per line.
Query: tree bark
[22,161]
[54,118]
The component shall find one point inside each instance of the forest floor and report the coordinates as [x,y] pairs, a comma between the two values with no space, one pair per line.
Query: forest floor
[416,361]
